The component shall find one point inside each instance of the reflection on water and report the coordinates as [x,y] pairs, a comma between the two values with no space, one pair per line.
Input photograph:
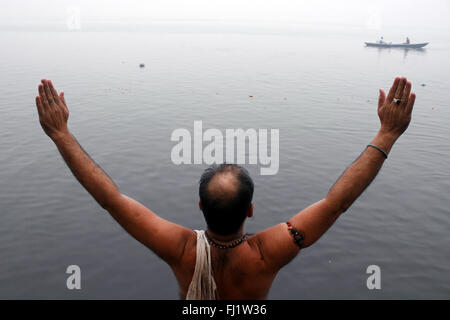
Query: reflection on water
[319,87]
[415,50]
[381,50]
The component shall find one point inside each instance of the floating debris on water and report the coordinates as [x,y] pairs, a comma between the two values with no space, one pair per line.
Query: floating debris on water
[250,95]
[120,90]
[423,84]
[142,65]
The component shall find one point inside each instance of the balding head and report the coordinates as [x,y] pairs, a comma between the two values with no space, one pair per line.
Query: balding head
[226,193]
[223,186]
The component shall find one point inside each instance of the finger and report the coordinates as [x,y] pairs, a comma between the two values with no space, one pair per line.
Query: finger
[61,97]
[39,106]
[381,99]
[48,92]
[53,91]
[401,85]
[390,96]
[63,100]
[42,97]
[406,93]
[410,104]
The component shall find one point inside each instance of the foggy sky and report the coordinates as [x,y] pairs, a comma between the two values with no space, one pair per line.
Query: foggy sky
[371,13]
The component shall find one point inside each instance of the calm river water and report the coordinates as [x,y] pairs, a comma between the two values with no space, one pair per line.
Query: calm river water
[317,85]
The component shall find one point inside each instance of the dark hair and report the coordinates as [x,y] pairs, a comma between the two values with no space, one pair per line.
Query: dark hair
[225,216]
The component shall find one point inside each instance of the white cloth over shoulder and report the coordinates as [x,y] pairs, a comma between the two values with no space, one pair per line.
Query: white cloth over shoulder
[203,286]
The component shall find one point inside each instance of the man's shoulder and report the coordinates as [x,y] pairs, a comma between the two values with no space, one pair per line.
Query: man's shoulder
[276,246]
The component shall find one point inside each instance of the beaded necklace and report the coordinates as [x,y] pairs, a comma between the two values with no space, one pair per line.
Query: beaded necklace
[233,244]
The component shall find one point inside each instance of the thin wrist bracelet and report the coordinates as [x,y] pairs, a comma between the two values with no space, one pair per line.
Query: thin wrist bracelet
[379,149]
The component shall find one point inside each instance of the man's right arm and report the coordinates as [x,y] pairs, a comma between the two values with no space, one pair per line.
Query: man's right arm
[277,243]
[166,239]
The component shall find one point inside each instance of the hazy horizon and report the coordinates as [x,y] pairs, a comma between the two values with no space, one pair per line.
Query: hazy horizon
[375,14]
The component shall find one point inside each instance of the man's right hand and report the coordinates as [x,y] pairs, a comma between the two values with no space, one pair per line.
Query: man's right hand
[52,110]
[394,115]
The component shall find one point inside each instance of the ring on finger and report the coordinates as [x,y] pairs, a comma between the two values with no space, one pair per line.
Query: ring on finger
[397,101]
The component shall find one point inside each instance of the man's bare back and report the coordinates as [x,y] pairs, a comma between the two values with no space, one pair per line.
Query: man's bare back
[245,271]
[240,273]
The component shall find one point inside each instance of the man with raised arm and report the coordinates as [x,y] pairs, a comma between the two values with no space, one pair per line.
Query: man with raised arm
[223,262]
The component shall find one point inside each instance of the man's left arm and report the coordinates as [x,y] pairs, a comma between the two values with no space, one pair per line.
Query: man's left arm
[165,238]
[395,115]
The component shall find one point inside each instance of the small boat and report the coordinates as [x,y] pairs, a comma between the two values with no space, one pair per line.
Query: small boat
[396,45]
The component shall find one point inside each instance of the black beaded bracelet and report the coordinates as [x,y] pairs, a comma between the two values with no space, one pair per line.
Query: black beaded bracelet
[296,234]
[379,149]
